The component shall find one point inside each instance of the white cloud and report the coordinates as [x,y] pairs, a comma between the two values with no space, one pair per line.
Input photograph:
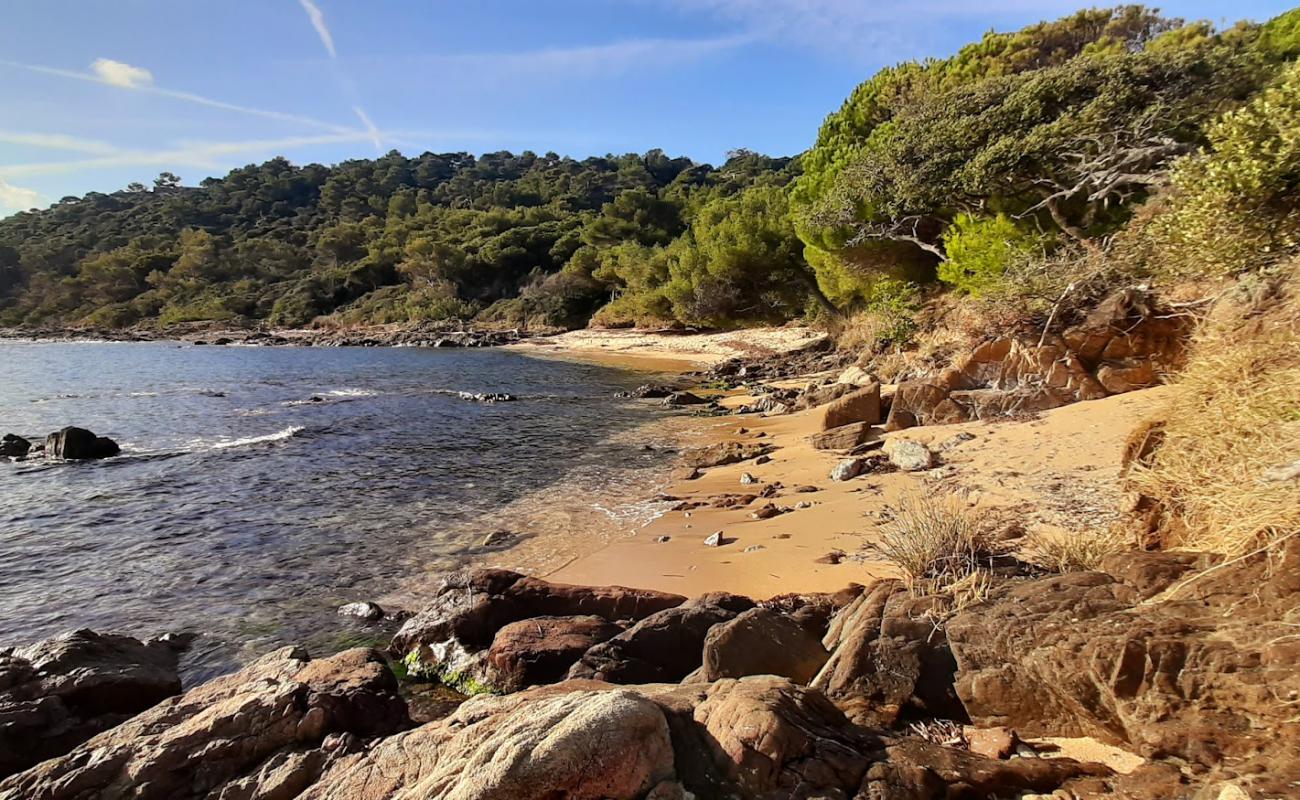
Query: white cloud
[16,198]
[188,97]
[317,18]
[115,73]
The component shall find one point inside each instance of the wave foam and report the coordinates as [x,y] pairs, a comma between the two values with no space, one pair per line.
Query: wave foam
[278,436]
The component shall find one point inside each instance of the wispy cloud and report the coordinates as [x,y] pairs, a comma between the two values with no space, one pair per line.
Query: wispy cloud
[115,73]
[592,60]
[58,141]
[16,198]
[203,155]
[188,97]
[317,18]
[376,137]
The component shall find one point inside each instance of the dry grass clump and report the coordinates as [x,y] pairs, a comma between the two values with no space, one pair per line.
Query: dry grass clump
[939,546]
[1075,552]
[1232,427]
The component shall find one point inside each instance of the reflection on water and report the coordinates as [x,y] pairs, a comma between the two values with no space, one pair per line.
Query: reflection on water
[260,488]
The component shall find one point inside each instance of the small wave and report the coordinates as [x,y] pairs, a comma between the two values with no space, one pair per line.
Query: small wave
[278,436]
[352,392]
[142,394]
[332,396]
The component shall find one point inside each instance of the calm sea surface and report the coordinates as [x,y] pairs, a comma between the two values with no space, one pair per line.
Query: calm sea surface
[242,510]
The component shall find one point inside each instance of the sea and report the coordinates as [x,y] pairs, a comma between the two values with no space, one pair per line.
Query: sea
[259,488]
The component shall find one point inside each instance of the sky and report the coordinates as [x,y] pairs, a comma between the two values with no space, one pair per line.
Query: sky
[95,94]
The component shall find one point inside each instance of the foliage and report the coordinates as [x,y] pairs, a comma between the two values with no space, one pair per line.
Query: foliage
[1234,206]
[936,542]
[980,249]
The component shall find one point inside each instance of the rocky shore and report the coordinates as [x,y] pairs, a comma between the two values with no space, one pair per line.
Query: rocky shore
[753,641]
[205,334]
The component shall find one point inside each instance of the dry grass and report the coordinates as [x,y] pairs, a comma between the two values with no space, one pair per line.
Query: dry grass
[1075,552]
[939,546]
[1233,425]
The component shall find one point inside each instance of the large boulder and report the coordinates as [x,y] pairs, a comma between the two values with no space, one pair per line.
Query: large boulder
[845,437]
[267,731]
[58,693]
[889,660]
[449,639]
[666,646]
[75,444]
[762,642]
[860,405]
[1160,657]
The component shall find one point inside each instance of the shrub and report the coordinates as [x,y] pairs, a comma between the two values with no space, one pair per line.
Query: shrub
[1078,551]
[980,250]
[1235,206]
[935,542]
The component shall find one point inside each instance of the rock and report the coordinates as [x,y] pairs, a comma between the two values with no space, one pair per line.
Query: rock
[665,646]
[833,557]
[365,609]
[861,405]
[686,474]
[855,376]
[648,391]
[267,731]
[848,469]
[754,548]
[845,437]
[735,603]
[723,453]
[997,743]
[888,659]
[58,693]
[715,540]
[542,649]
[817,395]
[684,399]
[956,440]
[662,539]
[1129,376]
[1192,673]
[767,511]
[487,397]
[762,641]
[79,444]
[746,479]
[910,456]
[449,639]
[14,446]
[497,538]
[761,460]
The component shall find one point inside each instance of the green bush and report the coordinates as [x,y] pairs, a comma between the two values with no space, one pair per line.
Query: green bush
[1234,207]
[981,249]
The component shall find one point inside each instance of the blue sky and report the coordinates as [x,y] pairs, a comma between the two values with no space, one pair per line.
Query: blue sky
[95,94]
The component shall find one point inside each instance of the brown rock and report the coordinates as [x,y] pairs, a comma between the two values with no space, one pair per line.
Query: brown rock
[860,405]
[666,646]
[716,455]
[542,649]
[992,742]
[58,693]
[762,642]
[845,437]
[1194,672]
[1128,376]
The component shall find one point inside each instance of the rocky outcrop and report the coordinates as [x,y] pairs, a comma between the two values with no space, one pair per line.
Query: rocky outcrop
[58,693]
[79,444]
[859,405]
[666,646]
[889,659]
[14,446]
[1125,343]
[716,455]
[268,731]
[1160,656]
[450,639]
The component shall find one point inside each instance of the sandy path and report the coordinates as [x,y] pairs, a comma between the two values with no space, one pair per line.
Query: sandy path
[1057,472]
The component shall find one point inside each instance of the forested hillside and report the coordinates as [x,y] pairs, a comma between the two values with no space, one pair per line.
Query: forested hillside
[1110,141]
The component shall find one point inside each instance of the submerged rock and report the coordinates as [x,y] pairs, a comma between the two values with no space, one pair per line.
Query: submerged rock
[684,399]
[487,397]
[79,444]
